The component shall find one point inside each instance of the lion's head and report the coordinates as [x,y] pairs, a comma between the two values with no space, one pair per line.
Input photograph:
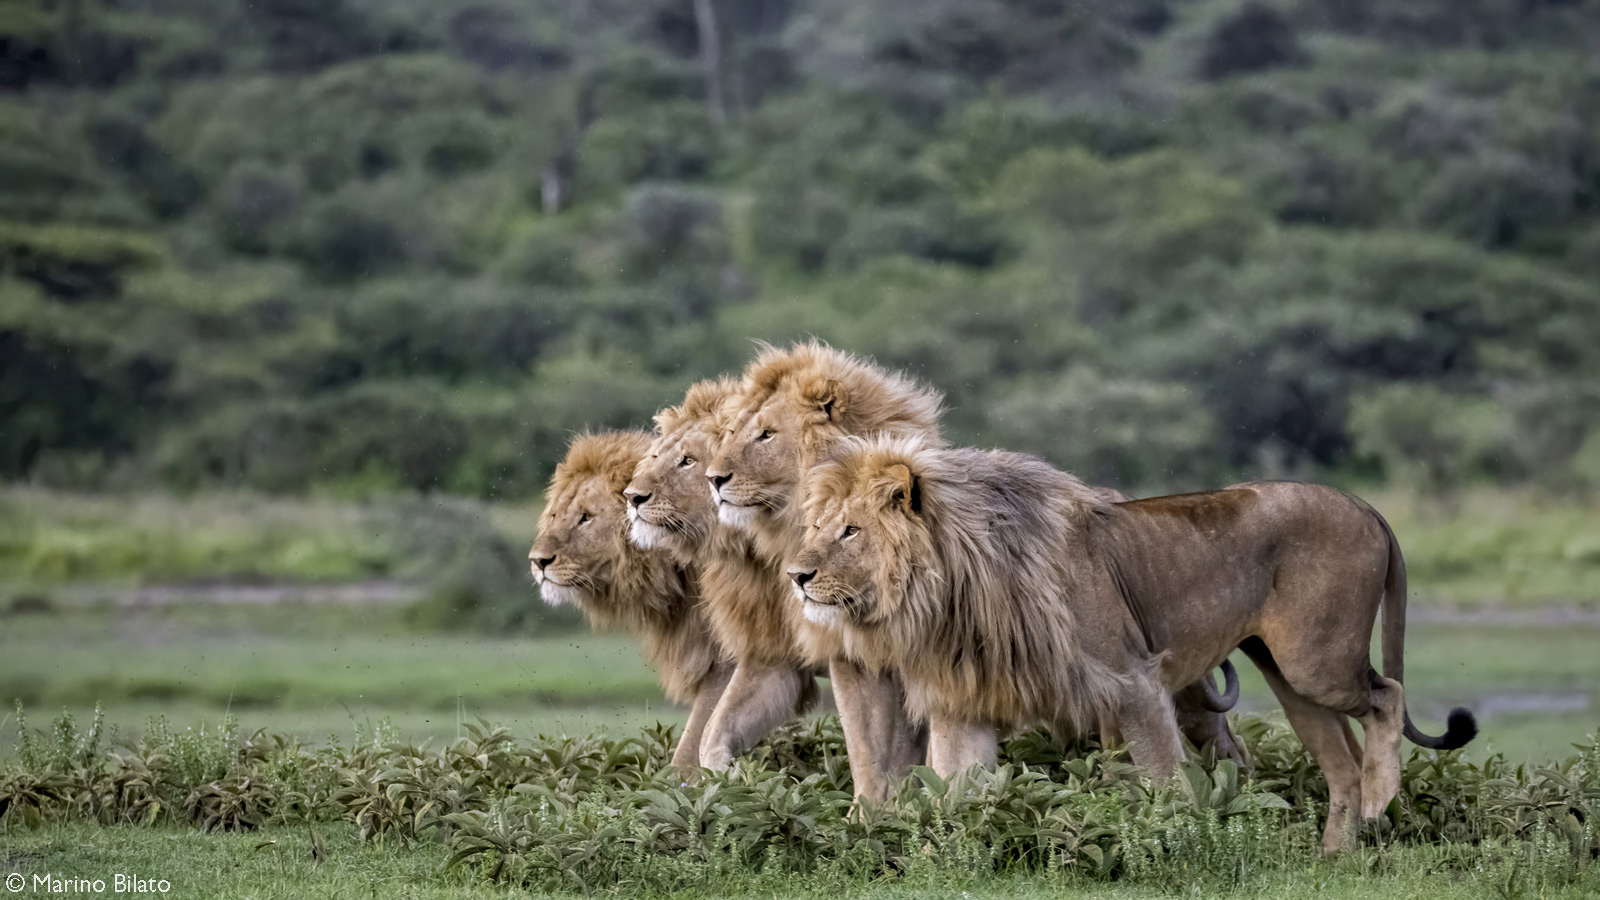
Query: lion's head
[793,406]
[582,552]
[861,538]
[668,507]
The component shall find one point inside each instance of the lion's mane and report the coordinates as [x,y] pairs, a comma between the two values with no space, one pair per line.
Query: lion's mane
[985,625]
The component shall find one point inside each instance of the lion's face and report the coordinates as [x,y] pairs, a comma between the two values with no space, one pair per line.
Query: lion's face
[859,541]
[754,474]
[580,543]
[667,504]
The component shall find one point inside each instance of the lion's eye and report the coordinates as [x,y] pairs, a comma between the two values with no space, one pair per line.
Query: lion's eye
[766,435]
[584,519]
[686,462]
[851,531]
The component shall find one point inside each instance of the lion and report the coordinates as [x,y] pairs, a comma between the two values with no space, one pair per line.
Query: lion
[582,558]
[1199,707]
[744,599]
[794,405]
[1009,593]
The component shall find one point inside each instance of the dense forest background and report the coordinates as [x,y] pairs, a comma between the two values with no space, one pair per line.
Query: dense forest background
[359,246]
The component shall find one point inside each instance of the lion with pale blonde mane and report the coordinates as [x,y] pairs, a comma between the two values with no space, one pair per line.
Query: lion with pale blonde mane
[746,602]
[582,558]
[1008,593]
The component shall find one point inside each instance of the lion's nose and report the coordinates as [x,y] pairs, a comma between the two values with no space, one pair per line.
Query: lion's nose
[542,561]
[718,479]
[635,497]
[801,577]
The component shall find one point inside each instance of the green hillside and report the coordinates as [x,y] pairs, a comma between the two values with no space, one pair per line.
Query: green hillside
[366,245]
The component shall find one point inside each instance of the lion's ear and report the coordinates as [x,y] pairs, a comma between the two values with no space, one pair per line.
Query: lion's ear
[828,396]
[905,490]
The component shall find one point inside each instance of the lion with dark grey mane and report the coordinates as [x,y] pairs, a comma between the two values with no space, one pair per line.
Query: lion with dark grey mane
[582,558]
[1008,593]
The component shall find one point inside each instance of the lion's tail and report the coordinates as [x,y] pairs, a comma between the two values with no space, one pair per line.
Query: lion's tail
[1460,727]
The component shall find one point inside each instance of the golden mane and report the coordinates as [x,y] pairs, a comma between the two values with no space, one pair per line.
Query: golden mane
[864,398]
[990,527]
[746,598]
[647,593]
[609,455]
[703,403]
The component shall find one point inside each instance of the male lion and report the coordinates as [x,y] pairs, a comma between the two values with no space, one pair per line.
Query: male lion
[744,600]
[582,558]
[1008,593]
[794,405]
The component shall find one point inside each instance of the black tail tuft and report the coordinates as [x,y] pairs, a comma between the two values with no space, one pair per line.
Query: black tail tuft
[1460,728]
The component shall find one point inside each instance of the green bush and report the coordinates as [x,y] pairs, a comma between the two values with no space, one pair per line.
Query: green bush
[1431,437]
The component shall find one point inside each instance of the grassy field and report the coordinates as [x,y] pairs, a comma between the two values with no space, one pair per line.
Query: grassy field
[281,862]
[320,669]
[188,611]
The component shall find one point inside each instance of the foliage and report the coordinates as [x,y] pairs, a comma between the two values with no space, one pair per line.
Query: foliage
[591,813]
[412,247]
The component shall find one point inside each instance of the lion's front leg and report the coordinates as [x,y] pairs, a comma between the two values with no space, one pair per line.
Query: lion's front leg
[1144,713]
[757,700]
[956,746]
[706,696]
[880,739]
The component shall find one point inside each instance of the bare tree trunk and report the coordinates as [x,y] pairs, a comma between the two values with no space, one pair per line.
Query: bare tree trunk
[705,17]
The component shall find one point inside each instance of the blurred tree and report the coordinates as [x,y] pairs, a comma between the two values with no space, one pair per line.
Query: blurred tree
[1256,38]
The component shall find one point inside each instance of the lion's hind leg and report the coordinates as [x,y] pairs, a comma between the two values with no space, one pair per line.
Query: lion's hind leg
[1383,725]
[1326,734]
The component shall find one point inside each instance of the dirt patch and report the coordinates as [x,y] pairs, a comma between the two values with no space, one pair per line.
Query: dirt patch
[1563,616]
[1489,706]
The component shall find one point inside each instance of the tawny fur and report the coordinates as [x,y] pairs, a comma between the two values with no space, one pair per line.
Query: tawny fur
[1009,593]
[617,585]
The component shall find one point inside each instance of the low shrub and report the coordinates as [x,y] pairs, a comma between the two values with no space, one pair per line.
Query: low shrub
[597,812]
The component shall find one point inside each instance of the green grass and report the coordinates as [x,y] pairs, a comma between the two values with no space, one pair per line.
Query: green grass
[50,538]
[1496,547]
[280,863]
[316,669]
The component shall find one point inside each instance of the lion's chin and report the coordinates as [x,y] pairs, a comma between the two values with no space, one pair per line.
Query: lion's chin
[828,615]
[646,536]
[740,517]
[559,594]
